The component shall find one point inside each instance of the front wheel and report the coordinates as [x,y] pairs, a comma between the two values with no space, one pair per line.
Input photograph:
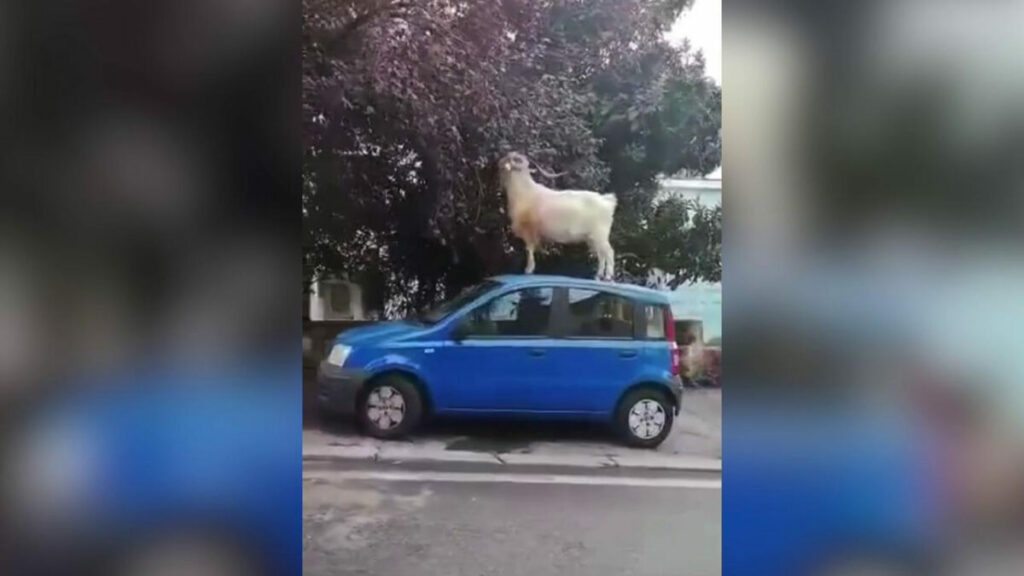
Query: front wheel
[391,407]
[874,566]
[644,418]
[187,555]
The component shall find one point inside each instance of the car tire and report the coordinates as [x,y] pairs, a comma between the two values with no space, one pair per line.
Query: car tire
[644,418]
[197,554]
[870,566]
[390,407]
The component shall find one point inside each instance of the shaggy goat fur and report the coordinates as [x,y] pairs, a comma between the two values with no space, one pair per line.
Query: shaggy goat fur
[539,213]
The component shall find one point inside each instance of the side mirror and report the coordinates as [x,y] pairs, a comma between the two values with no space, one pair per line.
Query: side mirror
[461,330]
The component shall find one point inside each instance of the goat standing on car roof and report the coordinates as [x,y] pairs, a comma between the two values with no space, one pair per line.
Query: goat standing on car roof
[563,216]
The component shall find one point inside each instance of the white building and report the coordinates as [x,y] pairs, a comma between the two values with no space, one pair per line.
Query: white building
[707,191]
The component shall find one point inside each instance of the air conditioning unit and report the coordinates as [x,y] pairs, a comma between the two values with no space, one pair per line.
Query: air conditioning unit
[336,299]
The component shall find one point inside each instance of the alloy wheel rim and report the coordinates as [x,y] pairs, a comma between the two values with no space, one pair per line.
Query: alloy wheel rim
[385,407]
[647,419]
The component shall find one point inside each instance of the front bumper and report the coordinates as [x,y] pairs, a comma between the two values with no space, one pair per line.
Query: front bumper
[338,388]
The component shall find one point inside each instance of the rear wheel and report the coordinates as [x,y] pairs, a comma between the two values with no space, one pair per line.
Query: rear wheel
[869,566]
[187,555]
[390,407]
[644,418]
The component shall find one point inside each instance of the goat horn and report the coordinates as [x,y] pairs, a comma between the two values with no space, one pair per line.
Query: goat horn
[546,173]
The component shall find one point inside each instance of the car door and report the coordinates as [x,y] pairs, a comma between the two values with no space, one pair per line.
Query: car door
[502,356]
[597,356]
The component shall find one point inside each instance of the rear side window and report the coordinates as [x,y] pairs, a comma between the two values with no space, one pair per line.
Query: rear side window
[594,314]
[654,320]
[520,313]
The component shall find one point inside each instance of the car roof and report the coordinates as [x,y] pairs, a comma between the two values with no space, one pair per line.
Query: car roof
[628,290]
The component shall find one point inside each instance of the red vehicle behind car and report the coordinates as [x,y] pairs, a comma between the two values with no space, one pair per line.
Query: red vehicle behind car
[701,362]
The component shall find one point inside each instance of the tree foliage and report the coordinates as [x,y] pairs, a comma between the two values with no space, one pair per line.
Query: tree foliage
[407,104]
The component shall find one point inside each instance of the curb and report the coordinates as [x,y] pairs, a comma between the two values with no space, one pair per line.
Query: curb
[398,454]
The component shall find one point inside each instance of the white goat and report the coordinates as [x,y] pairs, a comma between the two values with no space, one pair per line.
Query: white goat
[564,216]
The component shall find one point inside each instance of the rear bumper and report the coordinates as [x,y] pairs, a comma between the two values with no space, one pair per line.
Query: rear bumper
[677,392]
[338,388]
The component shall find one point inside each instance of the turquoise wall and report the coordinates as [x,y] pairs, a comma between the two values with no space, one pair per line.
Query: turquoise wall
[701,300]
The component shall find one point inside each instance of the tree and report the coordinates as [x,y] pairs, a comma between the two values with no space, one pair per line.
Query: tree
[680,238]
[408,103]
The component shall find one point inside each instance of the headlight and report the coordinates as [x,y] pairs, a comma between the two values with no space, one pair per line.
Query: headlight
[55,473]
[338,355]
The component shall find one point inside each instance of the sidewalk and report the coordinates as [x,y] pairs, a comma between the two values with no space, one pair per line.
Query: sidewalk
[694,444]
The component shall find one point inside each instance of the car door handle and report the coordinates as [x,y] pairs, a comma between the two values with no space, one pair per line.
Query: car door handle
[627,353]
[537,352]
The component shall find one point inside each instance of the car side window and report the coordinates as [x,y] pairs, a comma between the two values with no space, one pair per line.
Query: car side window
[521,313]
[594,314]
[654,317]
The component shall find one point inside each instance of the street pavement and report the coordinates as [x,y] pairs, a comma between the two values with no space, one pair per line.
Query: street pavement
[696,436]
[460,519]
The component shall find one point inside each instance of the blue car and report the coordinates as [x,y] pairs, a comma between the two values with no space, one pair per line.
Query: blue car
[837,461]
[531,346]
[159,469]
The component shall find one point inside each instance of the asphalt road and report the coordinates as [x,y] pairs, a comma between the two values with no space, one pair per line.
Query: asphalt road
[397,522]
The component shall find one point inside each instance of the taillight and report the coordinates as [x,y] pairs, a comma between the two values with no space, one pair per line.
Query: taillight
[670,335]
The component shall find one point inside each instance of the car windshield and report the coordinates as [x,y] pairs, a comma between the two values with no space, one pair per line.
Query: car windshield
[438,313]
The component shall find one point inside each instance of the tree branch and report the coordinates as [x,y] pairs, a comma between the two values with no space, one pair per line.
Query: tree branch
[336,39]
